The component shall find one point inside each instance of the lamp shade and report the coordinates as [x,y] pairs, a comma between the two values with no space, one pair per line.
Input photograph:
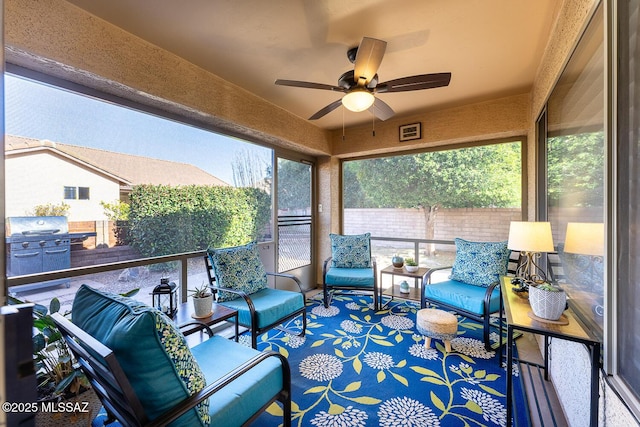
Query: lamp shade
[530,236]
[585,238]
[358,100]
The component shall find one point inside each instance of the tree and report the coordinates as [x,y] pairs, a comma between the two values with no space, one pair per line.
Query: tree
[484,176]
[250,170]
[294,185]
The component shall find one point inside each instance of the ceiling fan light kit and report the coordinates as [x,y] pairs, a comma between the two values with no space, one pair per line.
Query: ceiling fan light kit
[361,85]
[358,100]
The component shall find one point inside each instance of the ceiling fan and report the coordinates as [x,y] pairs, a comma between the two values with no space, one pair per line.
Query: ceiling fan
[361,84]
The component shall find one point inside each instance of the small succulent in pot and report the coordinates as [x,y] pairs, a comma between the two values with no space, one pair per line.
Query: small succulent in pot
[411,265]
[202,291]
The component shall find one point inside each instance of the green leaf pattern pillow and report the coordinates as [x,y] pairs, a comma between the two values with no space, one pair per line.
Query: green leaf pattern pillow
[479,263]
[238,268]
[351,251]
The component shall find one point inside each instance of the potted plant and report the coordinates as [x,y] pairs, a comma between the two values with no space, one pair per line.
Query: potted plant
[202,301]
[547,301]
[411,265]
[59,379]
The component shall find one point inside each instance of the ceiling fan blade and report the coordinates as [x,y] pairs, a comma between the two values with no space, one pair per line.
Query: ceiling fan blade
[419,82]
[381,110]
[309,85]
[368,59]
[326,110]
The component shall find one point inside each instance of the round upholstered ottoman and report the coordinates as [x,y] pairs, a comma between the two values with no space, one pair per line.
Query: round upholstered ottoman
[438,324]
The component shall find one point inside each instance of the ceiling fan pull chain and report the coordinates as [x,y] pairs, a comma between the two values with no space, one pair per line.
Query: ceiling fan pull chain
[343,123]
[373,124]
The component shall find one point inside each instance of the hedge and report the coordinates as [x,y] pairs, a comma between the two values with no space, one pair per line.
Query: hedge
[167,220]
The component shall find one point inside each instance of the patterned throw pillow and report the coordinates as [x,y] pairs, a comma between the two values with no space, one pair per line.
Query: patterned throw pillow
[352,251]
[238,268]
[479,263]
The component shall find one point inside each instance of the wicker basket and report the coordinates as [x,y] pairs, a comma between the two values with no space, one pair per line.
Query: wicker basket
[547,304]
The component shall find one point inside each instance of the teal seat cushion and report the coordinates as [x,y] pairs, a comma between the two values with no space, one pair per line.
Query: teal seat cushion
[245,395]
[462,295]
[271,305]
[350,251]
[151,350]
[239,268]
[357,277]
[479,263]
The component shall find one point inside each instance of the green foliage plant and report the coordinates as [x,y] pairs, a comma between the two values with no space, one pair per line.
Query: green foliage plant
[410,262]
[201,291]
[56,373]
[51,210]
[168,220]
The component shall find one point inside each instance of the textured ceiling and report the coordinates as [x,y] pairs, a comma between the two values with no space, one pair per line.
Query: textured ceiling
[491,47]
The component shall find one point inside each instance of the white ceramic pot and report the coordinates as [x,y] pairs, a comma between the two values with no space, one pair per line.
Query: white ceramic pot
[203,306]
[547,304]
[411,268]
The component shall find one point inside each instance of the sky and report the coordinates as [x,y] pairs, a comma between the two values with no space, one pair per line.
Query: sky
[35,110]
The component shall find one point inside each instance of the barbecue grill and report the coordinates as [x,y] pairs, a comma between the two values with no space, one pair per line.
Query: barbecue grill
[36,244]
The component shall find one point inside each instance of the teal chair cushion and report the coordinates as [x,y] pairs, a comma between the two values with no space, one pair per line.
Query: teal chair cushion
[271,305]
[351,251]
[238,268]
[246,394]
[357,277]
[150,349]
[461,295]
[479,263]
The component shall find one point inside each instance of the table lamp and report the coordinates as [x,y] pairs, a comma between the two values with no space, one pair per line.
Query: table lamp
[530,238]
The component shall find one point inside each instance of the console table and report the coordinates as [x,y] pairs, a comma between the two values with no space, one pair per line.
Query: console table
[516,310]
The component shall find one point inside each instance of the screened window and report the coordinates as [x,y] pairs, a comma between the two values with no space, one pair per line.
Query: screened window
[472,193]
[151,186]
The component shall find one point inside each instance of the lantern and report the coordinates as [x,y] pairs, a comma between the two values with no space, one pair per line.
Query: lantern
[165,297]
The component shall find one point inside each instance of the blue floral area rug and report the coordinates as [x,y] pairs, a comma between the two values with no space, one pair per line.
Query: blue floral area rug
[356,367]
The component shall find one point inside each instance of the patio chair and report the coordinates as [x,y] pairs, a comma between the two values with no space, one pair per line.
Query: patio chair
[473,288]
[350,267]
[141,368]
[239,281]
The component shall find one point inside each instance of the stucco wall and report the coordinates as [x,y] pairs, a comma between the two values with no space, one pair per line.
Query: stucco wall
[62,40]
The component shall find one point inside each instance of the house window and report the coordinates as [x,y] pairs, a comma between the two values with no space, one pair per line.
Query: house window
[83,193]
[76,193]
[70,193]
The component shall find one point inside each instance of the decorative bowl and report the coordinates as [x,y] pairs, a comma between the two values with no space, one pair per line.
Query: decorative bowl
[411,268]
[397,261]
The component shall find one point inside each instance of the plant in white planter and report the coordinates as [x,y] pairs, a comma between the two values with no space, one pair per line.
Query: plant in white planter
[547,301]
[202,300]
[411,265]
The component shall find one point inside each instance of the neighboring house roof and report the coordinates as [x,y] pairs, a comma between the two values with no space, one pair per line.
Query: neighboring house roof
[129,169]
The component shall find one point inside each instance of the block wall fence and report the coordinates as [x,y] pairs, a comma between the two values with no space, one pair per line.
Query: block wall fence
[477,224]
